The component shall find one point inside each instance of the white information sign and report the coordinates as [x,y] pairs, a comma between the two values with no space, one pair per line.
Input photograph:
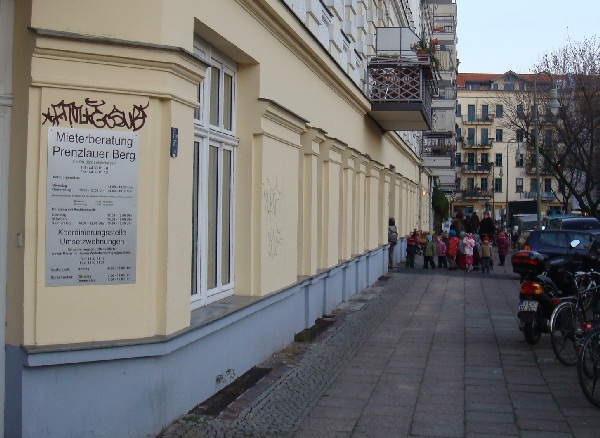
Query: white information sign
[91,210]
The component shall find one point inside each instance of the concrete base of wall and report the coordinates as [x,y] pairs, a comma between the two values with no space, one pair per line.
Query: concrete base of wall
[137,389]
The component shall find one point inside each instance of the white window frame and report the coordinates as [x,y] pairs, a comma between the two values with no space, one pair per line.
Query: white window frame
[218,136]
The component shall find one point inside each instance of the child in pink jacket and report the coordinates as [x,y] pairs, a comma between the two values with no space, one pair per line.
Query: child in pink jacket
[468,245]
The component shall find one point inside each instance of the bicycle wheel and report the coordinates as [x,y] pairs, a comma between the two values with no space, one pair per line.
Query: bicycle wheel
[563,326]
[588,367]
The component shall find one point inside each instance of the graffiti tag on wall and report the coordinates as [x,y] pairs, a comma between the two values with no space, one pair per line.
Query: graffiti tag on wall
[93,112]
[272,196]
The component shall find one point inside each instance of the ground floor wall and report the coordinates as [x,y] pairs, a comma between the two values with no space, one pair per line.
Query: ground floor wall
[135,390]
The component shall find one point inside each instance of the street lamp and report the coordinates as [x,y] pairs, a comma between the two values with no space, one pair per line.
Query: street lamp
[554,106]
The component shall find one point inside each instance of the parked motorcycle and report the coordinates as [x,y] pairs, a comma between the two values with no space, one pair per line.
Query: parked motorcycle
[544,283]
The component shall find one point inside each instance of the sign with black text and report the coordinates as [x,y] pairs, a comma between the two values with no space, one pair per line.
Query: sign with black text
[91,207]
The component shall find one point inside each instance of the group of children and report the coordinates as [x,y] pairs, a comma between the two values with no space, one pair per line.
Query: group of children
[448,248]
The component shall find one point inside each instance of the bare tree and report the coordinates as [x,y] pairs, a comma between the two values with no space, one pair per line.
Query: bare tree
[569,143]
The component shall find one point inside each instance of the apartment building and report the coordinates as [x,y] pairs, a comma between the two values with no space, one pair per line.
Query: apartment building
[187,185]
[495,162]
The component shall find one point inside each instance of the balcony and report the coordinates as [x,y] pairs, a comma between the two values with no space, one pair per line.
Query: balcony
[401,89]
[477,119]
[476,168]
[471,144]
[444,24]
[474,194]
[439,144]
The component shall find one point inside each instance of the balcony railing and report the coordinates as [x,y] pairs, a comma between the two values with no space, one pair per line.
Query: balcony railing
[476,168]
[472,144]
[437,150]
[448,93]
[444,23]
[477,119]
[477,193]
[401,87]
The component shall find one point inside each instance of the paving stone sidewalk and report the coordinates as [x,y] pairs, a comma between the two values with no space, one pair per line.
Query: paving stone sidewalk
[422,353]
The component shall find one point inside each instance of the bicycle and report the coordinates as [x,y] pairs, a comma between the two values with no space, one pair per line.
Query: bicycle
[588,365]
[567,317]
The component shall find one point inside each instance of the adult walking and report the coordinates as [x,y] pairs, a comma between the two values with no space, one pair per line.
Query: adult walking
[392,240]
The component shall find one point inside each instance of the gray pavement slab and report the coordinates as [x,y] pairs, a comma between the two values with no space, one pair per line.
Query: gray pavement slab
[426,353]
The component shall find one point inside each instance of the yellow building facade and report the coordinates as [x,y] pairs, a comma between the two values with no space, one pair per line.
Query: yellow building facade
[187,187]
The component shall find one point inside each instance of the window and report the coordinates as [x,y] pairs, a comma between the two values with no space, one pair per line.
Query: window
[547,185]
[458,159]
[520,113]
[533,160]
[470,183]
[509,86]
[498,161]
[498,184]
[485,159]
[498,134]
[499,111]
[458,110]
[484,184]
[484,112]
[520,160]
[554,239]
[484,136]
[534,185]
[214,163]
[519,135]
[470,160]
[471,136]
[519,185]
[471,113]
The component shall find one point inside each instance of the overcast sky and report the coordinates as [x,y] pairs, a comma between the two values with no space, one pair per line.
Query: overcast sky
[495,36]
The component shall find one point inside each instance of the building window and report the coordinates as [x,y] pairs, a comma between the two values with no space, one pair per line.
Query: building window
[519,135]
[485,159]
[519,185]
[470,160]
[471,136]
[498,161]
[484,184]
[533,185]
[471,113]
[214,163]
[484,136]
[470,183]
[520,160]
[458,110]
[498,185]
[547,185]
[484,112]
[498,134]
[458,159]
[499,111]
[520,113]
